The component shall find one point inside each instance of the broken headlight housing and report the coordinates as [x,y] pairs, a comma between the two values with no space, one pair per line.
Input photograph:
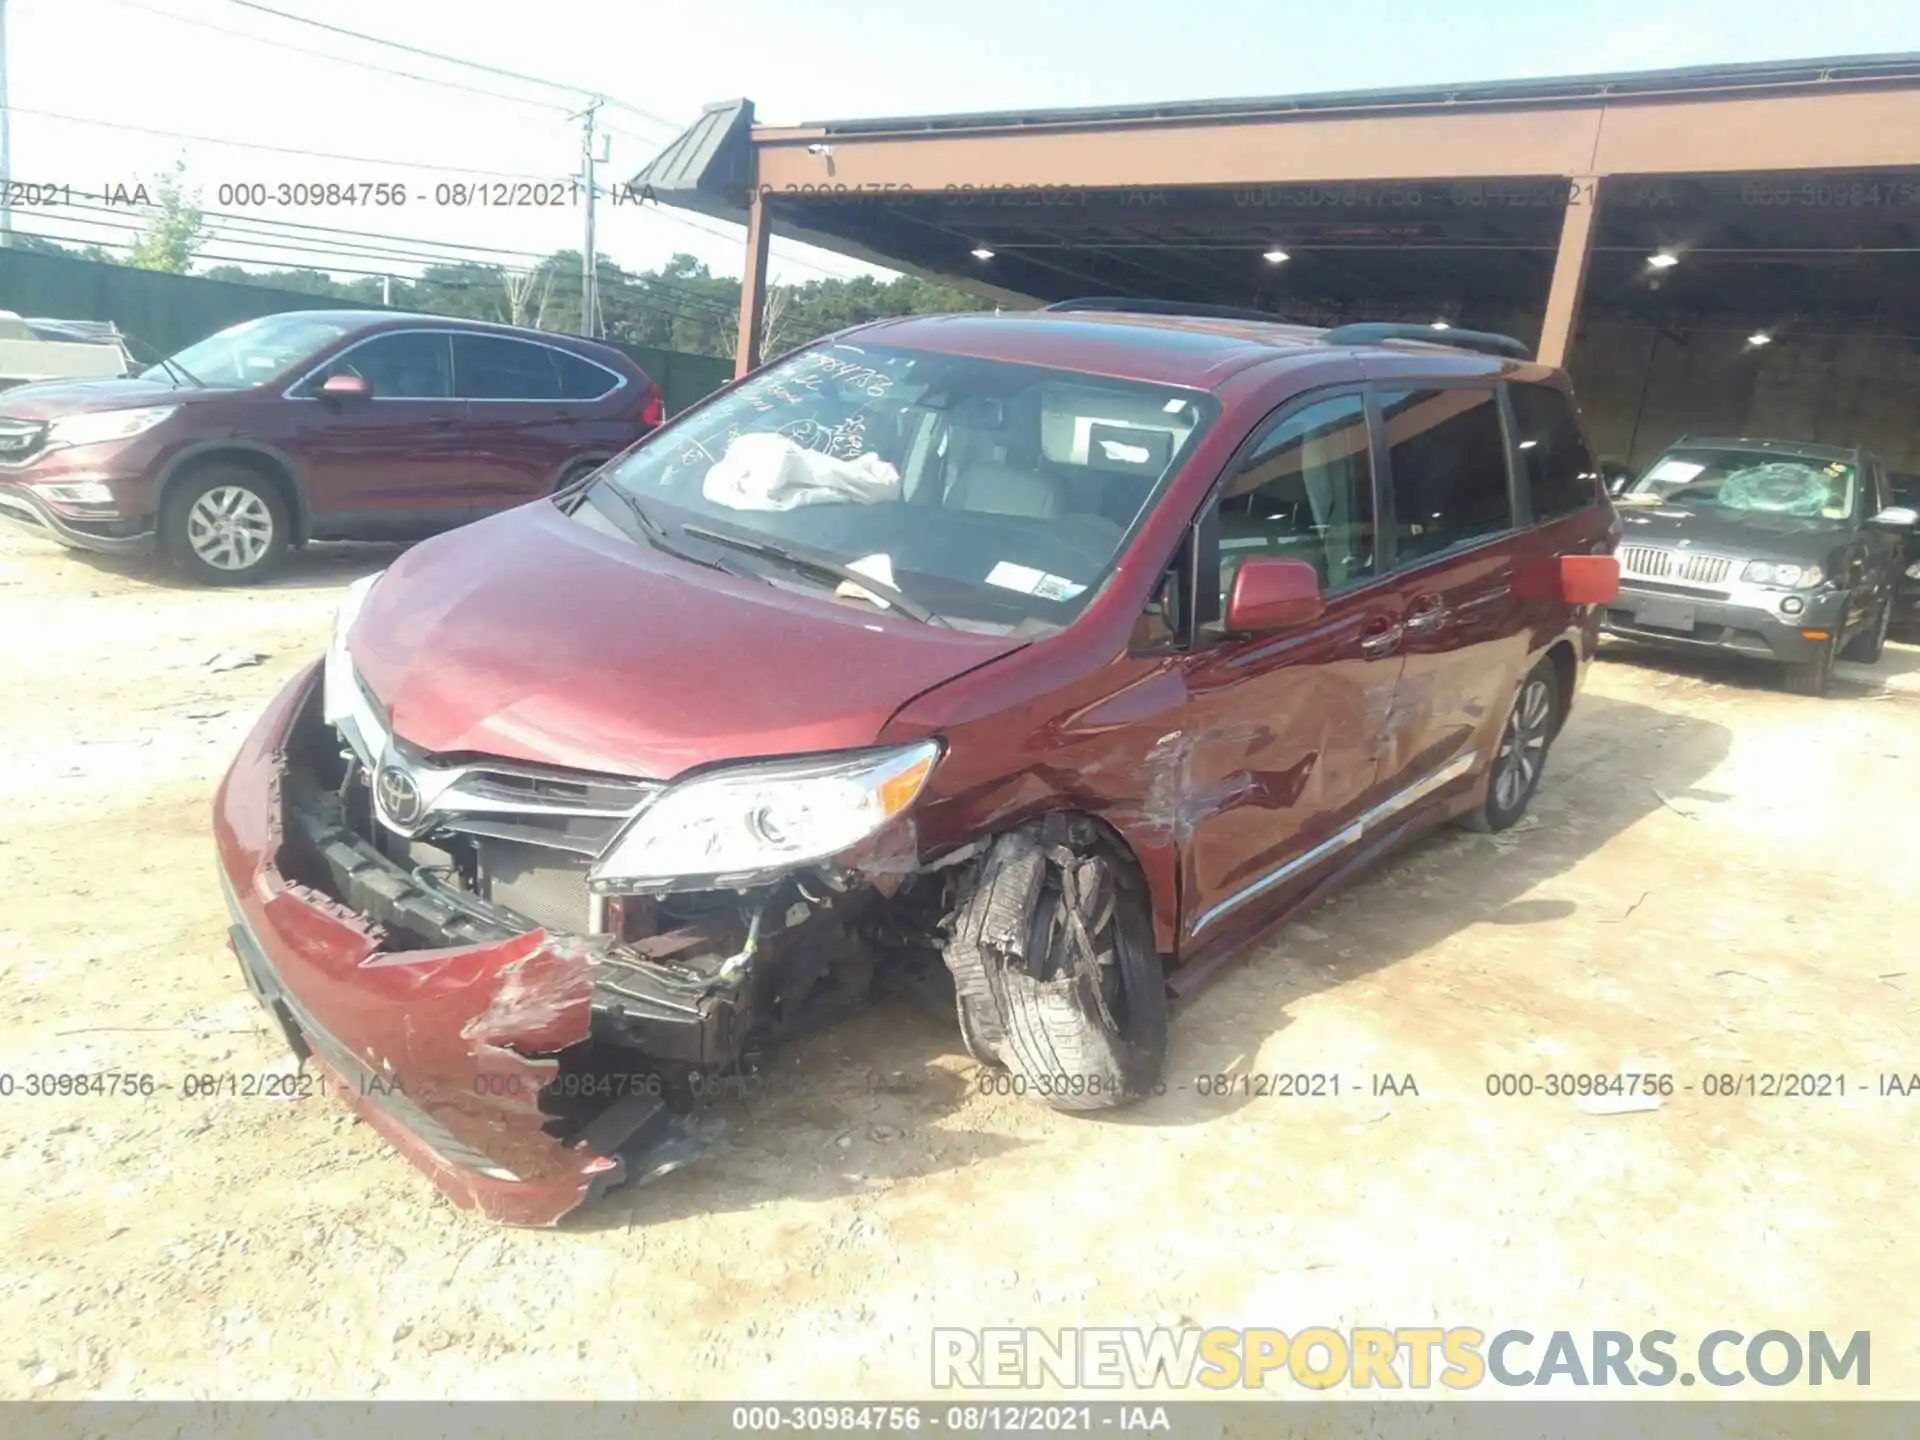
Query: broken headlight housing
[743,820]
[342,698]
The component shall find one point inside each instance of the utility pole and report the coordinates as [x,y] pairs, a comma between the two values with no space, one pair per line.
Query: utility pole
[6,140]
[589,272]
[386,281]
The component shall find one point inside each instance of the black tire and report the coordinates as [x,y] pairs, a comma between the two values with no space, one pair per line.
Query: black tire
[259,528]
[1811,677]
[1077,1042]
[1866,647]
[1520,755]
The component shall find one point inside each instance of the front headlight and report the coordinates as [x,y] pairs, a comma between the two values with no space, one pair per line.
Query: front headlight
[745,819]
[107,425]
[340,693]
[1794,577]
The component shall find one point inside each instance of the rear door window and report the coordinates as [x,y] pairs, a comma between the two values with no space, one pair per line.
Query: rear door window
[1448,461]
[488,367]
[1559,471]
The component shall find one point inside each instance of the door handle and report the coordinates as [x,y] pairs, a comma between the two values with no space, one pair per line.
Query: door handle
[1382,639]
[1426,615]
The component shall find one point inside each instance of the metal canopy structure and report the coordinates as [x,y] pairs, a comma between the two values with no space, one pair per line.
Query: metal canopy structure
[1775,195]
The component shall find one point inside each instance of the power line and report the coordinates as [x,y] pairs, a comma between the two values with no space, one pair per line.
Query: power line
[273,149]
[337,59]
[453,60]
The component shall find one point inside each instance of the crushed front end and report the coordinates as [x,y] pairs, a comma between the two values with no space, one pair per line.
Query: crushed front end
[436,934]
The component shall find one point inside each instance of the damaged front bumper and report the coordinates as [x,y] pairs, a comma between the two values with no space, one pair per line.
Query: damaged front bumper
[524,1069]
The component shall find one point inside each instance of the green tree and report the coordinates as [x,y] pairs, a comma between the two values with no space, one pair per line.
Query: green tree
[175,230]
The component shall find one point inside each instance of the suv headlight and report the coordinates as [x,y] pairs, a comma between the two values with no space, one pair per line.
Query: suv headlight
[745,819]
[107,425]
[1794,577]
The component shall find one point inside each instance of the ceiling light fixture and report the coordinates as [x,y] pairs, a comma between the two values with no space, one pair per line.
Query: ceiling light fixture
[981,252]
[1276,256]
[1759,337]
[1441,325]
[1663,260]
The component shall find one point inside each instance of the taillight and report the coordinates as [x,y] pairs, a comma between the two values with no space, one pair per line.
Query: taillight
[654,412]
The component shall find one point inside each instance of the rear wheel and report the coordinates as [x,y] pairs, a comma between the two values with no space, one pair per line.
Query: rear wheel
[1815,676]
[1521,756]
[225,526]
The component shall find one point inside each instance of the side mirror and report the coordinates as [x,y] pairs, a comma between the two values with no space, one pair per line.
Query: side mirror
[1896,517]
[346,387]
[1271,593]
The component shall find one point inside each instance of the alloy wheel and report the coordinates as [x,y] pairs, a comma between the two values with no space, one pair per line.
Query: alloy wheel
[1523,745]
[230,527]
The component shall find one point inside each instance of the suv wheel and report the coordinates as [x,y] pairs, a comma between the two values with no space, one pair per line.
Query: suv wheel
[1812,677]
[1865,648]
[225,526]
[1521,755]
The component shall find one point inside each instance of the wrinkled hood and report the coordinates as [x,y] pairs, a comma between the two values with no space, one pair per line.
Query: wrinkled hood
[539,637]
[51,399]
[1744,535]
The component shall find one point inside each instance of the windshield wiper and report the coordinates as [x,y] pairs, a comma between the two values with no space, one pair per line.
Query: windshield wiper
[174,367]
[654,532]
[819,565]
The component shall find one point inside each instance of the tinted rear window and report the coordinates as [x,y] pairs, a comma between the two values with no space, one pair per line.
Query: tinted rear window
[1448,457]
[1559,470]
[582,379]
[488,368]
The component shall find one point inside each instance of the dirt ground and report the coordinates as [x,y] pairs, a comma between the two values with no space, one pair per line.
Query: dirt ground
[1716,878]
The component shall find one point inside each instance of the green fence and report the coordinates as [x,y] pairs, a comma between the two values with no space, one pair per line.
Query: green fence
[169,312]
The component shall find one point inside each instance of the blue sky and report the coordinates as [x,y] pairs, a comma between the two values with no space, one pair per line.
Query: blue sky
[147,65]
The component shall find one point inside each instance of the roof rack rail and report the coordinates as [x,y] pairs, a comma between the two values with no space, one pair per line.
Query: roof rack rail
[1373,332]
[1122,304]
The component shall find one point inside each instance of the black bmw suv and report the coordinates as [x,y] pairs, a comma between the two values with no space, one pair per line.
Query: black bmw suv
[1773,548]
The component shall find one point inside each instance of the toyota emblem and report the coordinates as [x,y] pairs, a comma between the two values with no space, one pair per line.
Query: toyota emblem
[399,795]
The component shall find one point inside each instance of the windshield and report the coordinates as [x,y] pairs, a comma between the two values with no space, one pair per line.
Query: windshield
[995,496]
[250,353]
[1754,481]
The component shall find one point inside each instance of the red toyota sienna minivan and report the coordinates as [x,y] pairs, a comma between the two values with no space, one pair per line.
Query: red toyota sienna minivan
[1034,660]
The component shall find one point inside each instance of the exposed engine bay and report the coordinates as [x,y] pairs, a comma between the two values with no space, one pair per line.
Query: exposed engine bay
[691,990]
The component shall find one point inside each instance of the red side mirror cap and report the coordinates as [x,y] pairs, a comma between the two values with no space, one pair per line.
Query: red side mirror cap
[1571,580]
[1271,593]
[346,387]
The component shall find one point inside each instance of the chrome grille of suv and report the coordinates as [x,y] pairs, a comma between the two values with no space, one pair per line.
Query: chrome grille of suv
[1651,562]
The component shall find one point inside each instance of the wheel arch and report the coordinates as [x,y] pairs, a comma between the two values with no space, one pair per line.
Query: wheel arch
[262,460]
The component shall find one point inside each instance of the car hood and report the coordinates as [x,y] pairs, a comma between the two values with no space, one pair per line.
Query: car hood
[51,399]
[1741,534]
[539,637]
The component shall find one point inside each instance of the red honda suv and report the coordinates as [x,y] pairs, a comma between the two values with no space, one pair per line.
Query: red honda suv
[1035,662]
[314,425]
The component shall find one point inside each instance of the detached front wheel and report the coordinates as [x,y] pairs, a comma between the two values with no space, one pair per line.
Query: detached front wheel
[225,526]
